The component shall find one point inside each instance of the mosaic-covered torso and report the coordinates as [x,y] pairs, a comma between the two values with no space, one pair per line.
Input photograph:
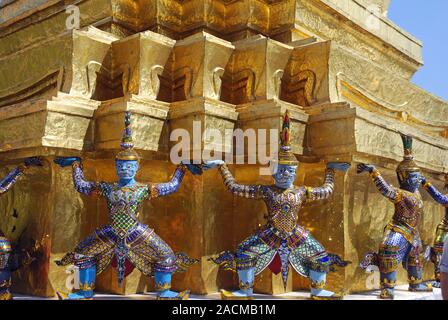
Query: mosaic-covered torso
[283,207]
[124,204]
[408,209]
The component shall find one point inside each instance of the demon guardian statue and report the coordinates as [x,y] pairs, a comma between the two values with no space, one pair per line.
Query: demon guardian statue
[401,242]
[281,241]
[125,241]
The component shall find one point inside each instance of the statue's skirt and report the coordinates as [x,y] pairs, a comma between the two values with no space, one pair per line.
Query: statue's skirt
[139,246]
[267,249]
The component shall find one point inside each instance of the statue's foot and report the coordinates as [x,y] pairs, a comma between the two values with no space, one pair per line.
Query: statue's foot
[173,295]
[326,295]
[75,296]
[436,284]
[421,287]
[386,294]
[235,295]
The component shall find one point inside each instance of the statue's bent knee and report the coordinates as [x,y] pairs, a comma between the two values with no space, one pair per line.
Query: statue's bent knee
[166,263]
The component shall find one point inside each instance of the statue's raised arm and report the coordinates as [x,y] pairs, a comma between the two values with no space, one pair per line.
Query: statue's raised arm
[438,196]
[247,191]
[11,178]
[383,187]
[326,190]
[81,184]
[166,188]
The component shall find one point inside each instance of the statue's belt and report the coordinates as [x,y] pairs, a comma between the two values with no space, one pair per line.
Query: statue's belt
[138,232]
[406,231]
[273,237]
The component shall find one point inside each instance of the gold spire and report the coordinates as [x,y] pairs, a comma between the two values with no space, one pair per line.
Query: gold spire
[285,155]
[127,145]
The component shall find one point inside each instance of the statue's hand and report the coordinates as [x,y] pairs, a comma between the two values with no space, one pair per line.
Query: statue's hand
[198,169]
[423,179]
[212,164]
[66,161]
[362,167]
[33,161]
[340,166]
[195,169]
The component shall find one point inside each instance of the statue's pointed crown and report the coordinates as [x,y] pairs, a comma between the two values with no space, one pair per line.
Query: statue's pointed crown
[408,164]
[285,155]
[127,145]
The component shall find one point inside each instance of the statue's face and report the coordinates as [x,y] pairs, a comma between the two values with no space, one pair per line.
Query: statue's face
[285,176]
[412,182]
[126,169]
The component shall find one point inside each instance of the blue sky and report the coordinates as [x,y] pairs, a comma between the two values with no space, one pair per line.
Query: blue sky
[428,21]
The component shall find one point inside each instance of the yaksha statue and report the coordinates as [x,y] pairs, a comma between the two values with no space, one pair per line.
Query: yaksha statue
[401,242]
[281,241]
[125,242]
[442,229]
[11,260]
